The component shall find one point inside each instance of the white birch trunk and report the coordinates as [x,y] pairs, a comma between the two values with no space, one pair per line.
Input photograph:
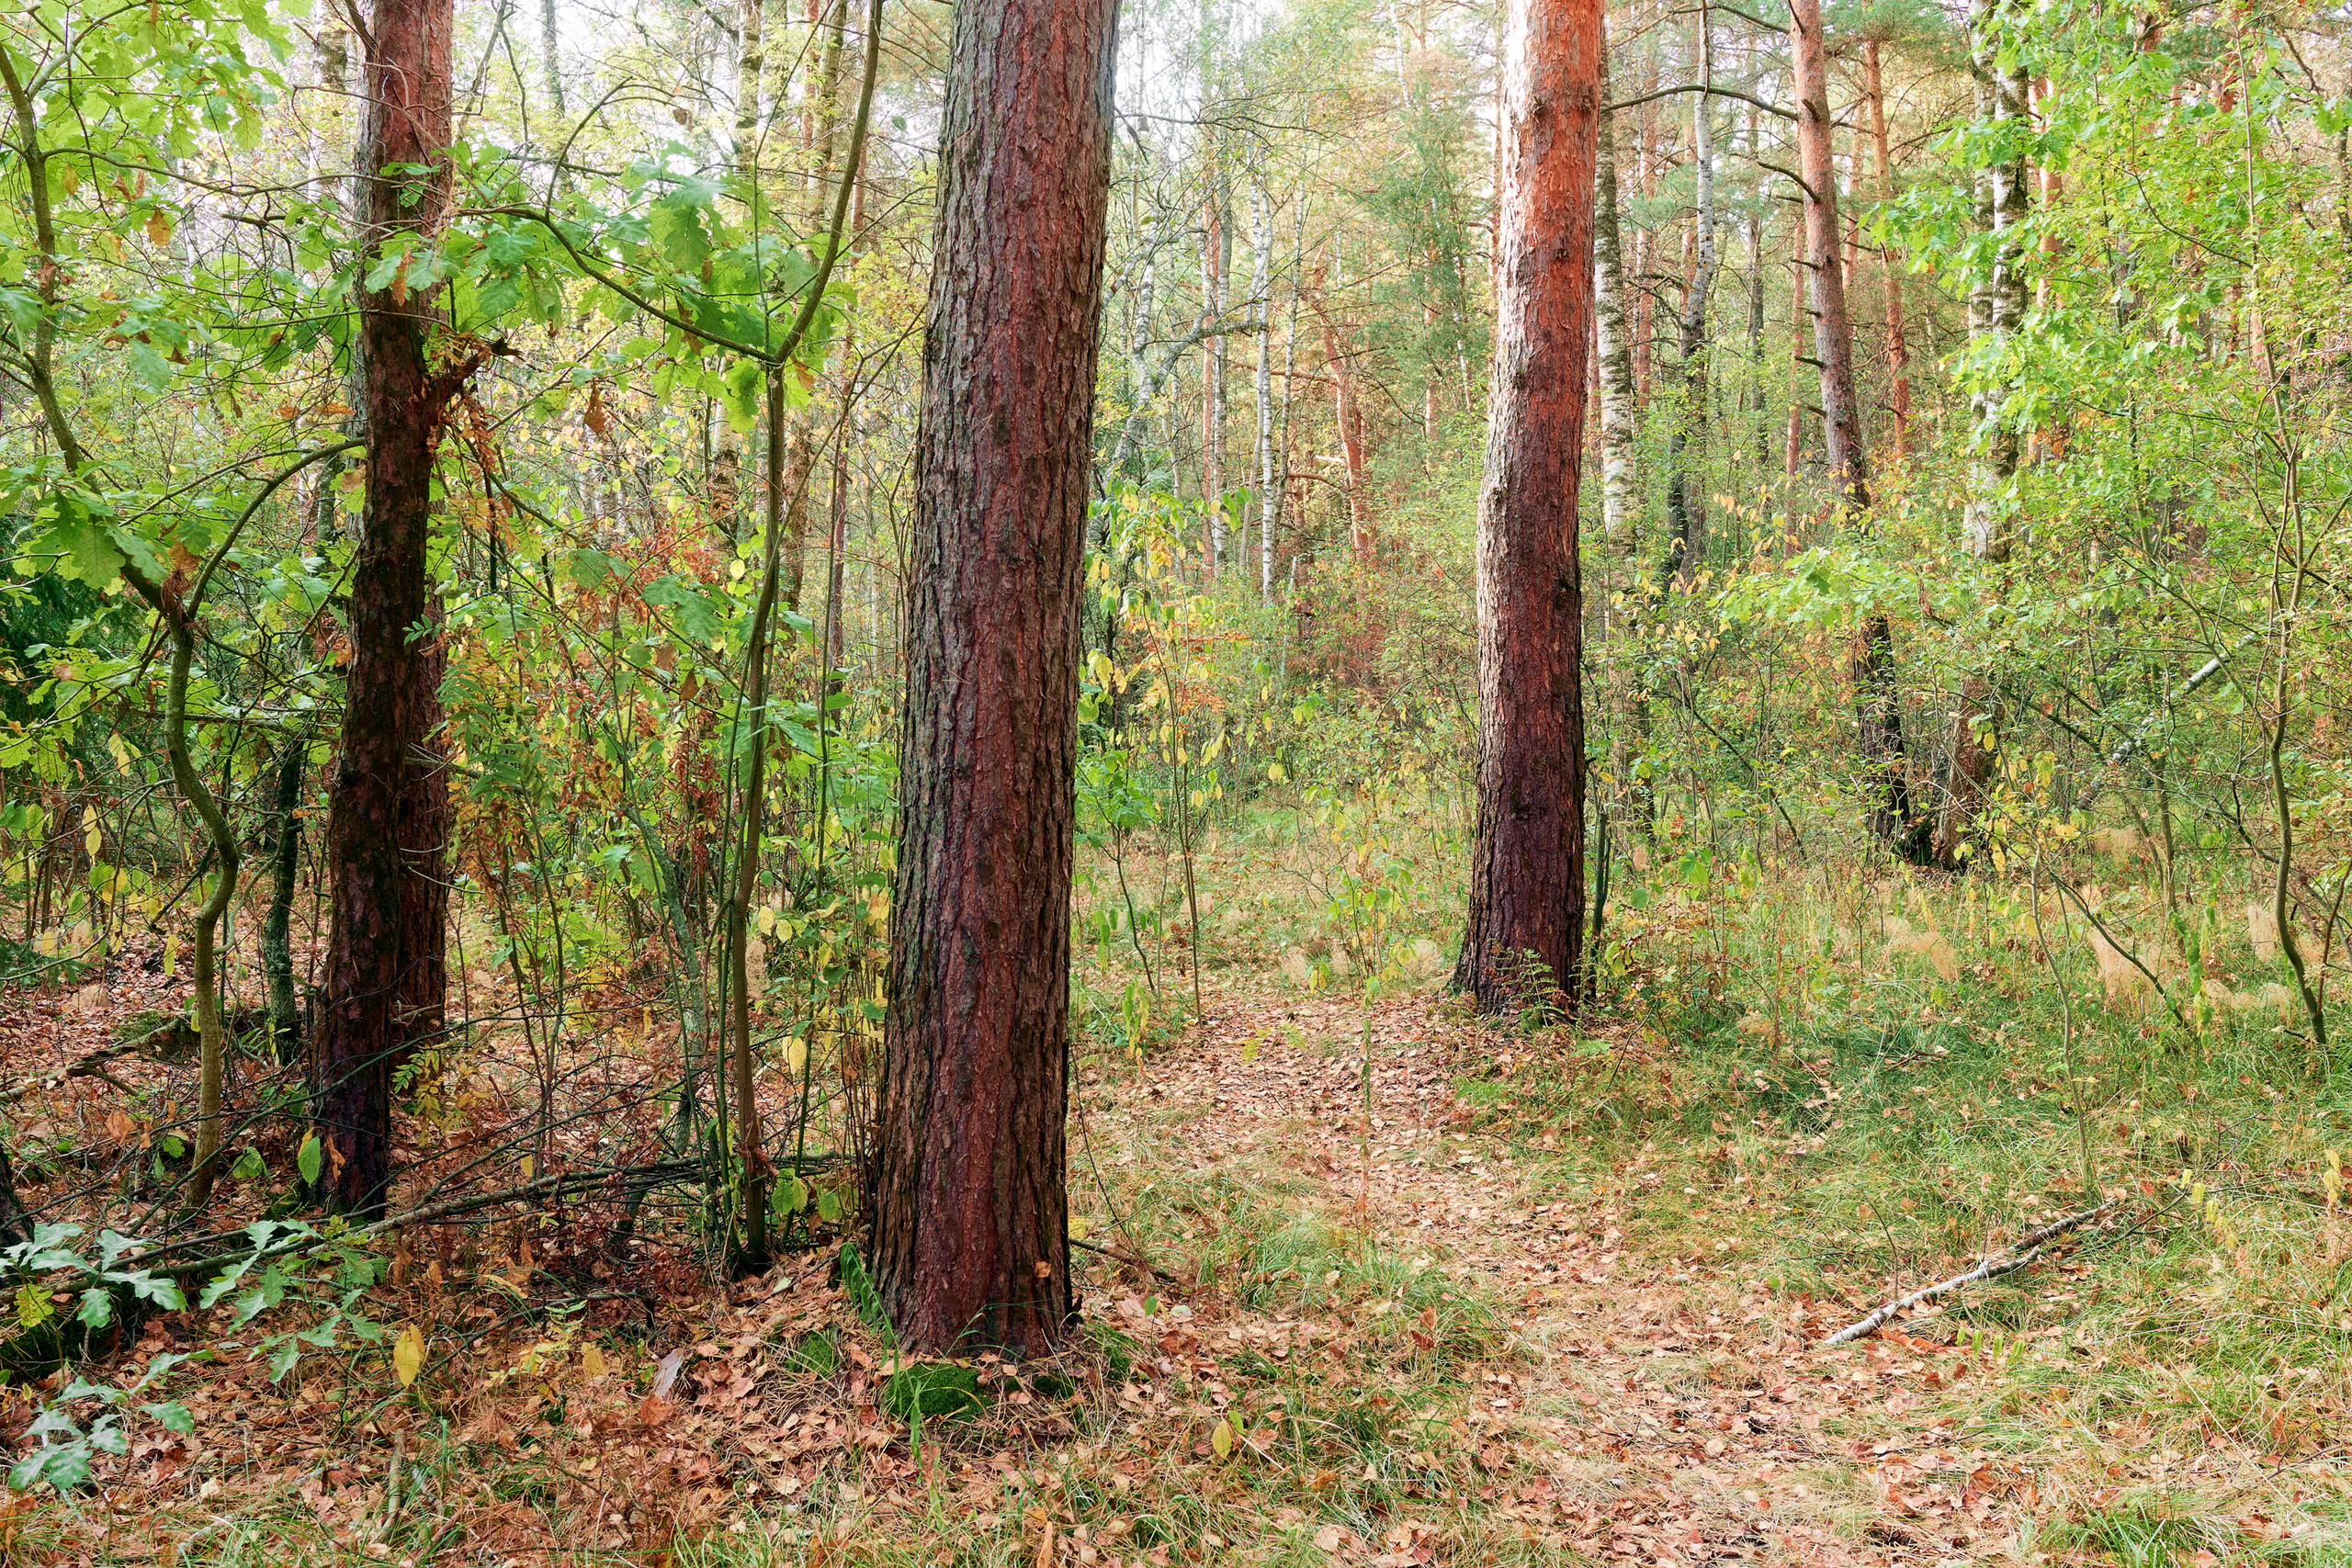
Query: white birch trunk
[1262,236]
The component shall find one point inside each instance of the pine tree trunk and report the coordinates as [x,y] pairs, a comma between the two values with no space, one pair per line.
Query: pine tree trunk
[388,815]
[1833,328]
[1898,353]
[1527,858]
[970,1224]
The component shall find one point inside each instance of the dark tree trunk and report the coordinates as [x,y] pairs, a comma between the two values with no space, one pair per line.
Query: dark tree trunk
[426,819]
[285,862]
[1527,862]
[971,1219]
[387,813]
[1895,820]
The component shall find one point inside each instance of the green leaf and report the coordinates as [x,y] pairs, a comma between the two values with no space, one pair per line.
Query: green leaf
[86,549]
[742,394]
[308,1159]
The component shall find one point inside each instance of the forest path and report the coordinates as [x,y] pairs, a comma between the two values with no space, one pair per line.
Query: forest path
[1650,1399]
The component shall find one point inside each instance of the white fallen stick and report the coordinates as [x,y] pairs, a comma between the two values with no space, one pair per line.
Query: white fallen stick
[2008,1261]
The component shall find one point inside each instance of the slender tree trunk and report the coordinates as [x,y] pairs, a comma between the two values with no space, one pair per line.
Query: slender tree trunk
[1644,249]
[1996,313]
[551,62]
[285,849]
[750,67]
[1801,329]
[754,1170]
[1620,492]
[1685,492]
[1898,354]
[1348,418]
[970,1224]
[1878,701]
[384,828]
[1261,238]
[1996,306]
[1213,480]
[1833,328]
[1527,858]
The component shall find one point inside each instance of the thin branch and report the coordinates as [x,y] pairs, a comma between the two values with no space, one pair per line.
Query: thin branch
[1993,1268]
[1712,91]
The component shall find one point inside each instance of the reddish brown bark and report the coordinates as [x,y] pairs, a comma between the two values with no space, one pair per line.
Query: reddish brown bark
[1527,859]
[1833,328]
[1347,413]
[970,1224]
[383,859]
[1898,353]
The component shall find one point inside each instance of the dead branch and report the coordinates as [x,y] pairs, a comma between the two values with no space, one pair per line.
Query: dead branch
[2007,1261]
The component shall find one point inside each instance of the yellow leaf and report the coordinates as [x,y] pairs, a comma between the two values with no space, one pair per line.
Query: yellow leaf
[592,1361]
[531,1164]
[159,229]
[408,1356]
[796,1053]
[1079,1227]
[1221,1439]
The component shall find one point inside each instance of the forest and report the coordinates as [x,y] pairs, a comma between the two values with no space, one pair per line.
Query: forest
[1029,782]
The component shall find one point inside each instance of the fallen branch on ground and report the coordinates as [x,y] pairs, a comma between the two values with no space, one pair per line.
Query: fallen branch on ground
[1131,1261]
[2008,1261]
[93,1065]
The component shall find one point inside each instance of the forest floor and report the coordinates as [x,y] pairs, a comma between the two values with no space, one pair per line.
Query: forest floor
[1445,1334]
[1445,1342]
[1612,1391]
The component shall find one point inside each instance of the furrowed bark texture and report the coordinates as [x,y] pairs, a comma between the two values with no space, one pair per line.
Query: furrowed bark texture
[971,1219]
[385,820]
[1527,861]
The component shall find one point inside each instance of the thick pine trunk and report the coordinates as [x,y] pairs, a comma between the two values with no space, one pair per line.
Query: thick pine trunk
[387,815]
[970,1224]
[1527,860]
